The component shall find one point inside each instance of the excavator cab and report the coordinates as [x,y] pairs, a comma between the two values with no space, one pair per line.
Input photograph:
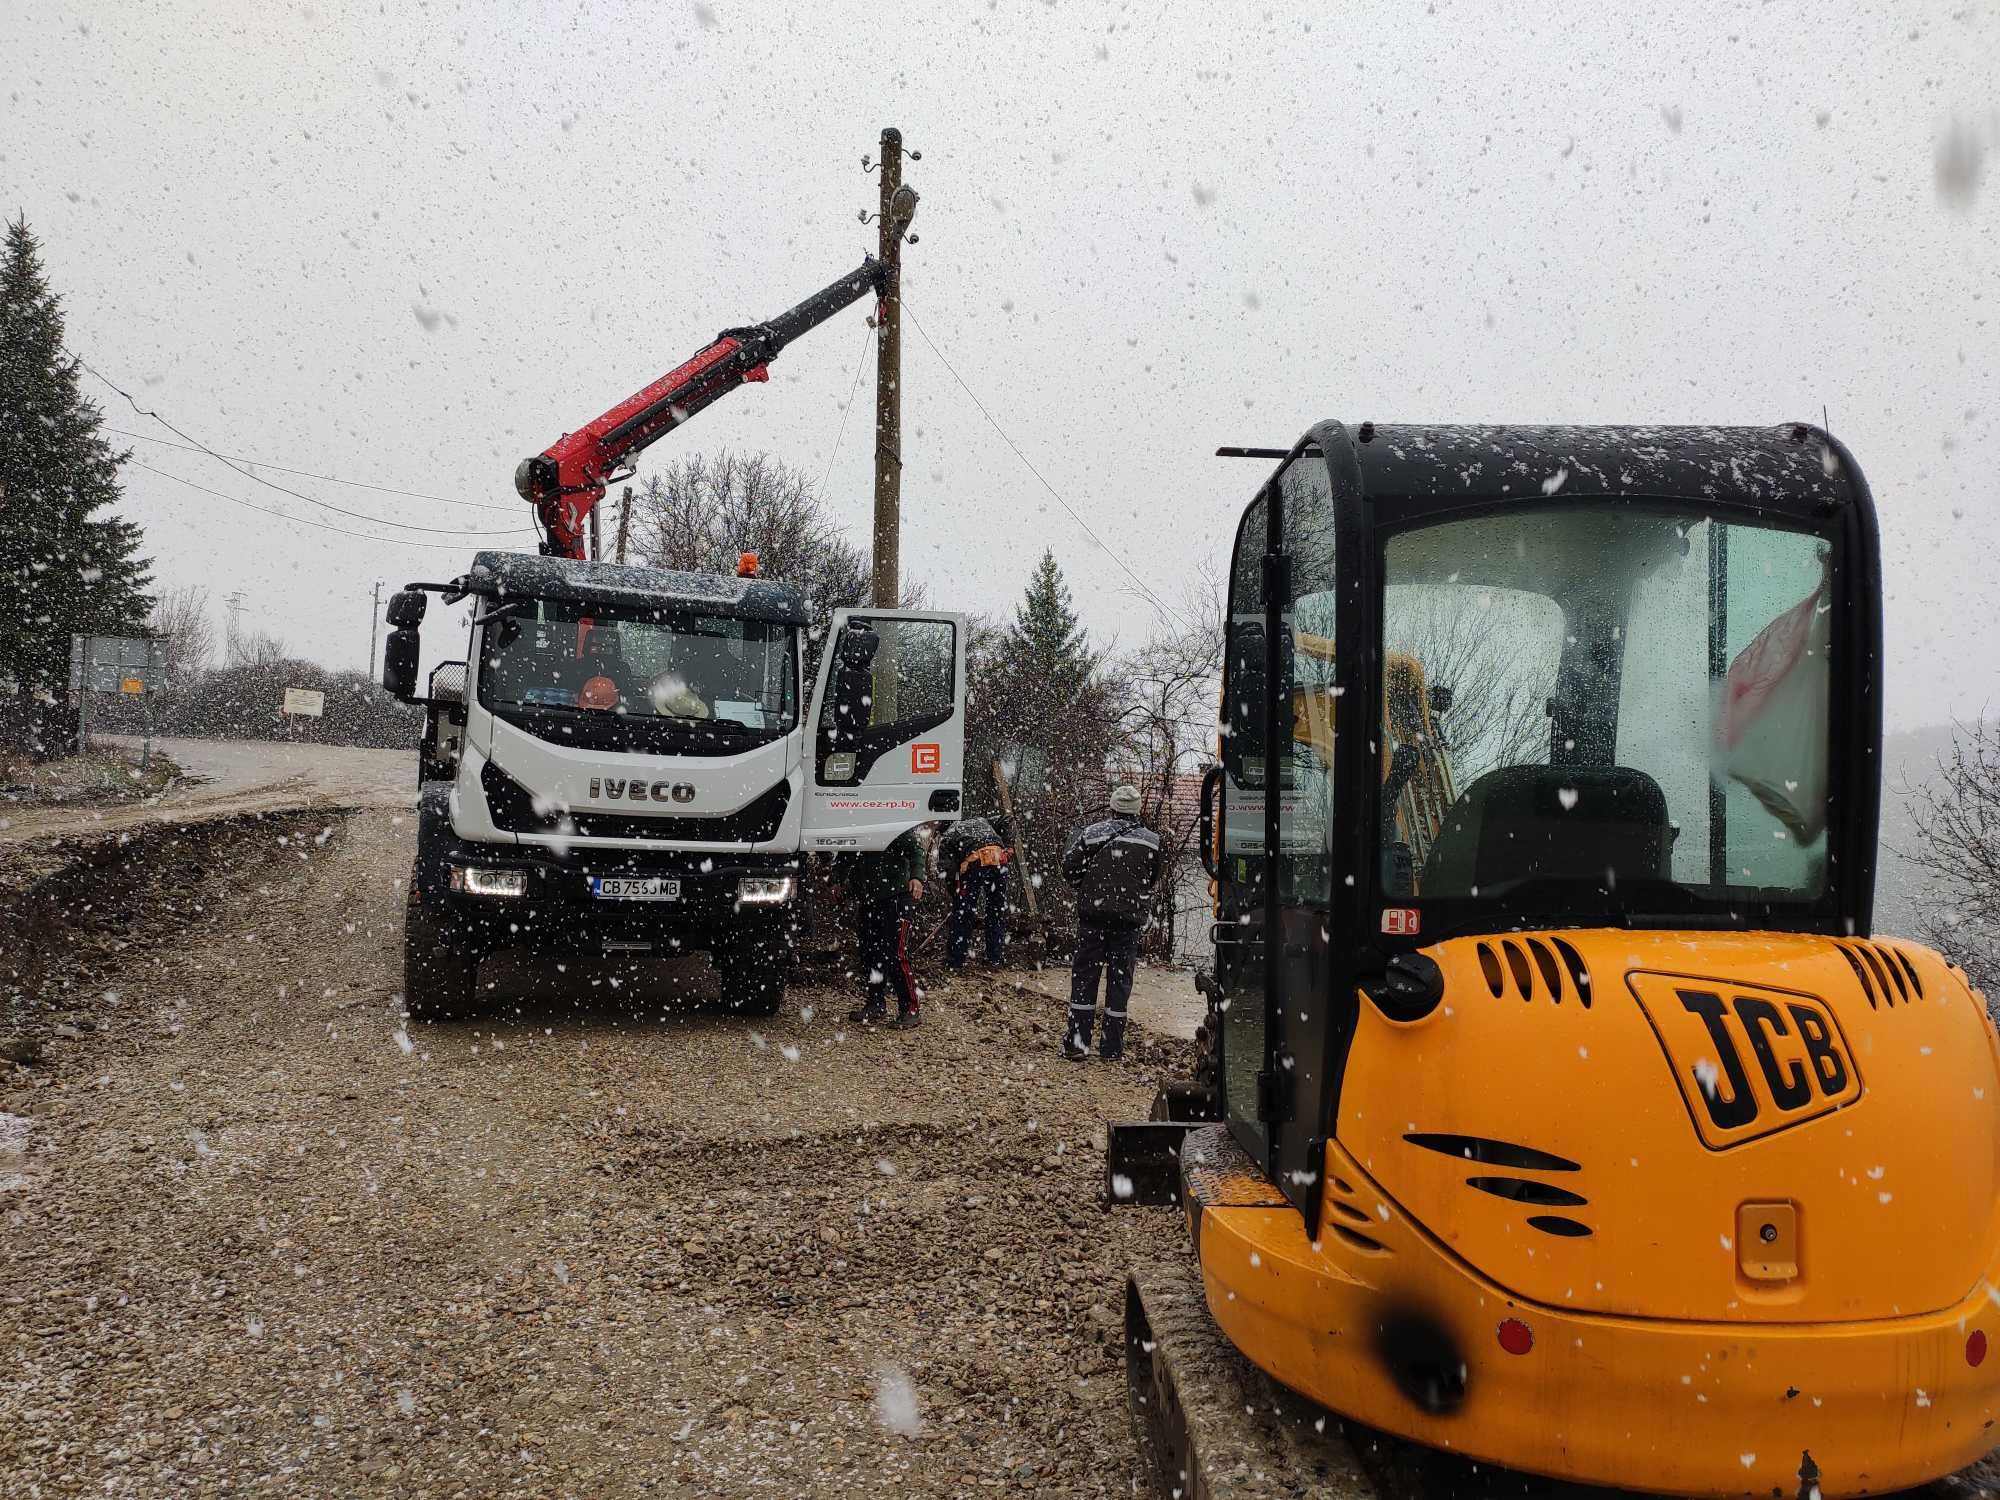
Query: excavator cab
[1562,1109]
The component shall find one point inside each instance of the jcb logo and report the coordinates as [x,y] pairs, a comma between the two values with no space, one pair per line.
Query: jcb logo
[1749,1060]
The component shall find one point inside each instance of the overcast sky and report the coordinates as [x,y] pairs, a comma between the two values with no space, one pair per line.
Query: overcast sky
[410,244]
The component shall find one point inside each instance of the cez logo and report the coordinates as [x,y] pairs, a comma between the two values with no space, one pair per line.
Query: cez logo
[926,760]
[1749,1060]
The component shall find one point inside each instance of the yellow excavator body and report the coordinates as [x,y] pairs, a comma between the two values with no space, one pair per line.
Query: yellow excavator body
[1557,1106]
[1720,1210]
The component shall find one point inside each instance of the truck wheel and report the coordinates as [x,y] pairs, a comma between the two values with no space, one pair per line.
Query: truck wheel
[753,973]
[439,977]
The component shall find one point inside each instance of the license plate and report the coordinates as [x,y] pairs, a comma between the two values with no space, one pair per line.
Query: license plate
[634,888]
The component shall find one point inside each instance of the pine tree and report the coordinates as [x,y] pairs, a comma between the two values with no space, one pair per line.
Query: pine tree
[1047,642]
[1043,701]
[66,564]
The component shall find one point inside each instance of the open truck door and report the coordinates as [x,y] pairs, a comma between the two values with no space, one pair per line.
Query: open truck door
[886,747]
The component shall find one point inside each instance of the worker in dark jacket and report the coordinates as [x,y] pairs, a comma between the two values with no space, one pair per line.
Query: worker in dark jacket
[973,857]
[1114,864]
[886,885]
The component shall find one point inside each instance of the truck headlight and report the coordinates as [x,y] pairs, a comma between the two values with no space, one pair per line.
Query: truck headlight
[470,880]
[764,890]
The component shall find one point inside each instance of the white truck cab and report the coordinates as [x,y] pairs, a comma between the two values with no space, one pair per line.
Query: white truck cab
[632,764]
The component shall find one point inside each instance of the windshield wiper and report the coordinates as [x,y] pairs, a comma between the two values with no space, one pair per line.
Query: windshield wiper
[502,611]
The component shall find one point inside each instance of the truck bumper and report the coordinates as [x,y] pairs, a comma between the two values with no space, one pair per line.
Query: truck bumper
[557,912]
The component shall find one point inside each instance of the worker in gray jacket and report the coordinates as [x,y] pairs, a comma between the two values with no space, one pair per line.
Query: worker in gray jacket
[1115,865]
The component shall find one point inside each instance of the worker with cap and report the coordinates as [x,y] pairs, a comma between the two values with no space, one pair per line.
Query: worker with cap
[973,856]
[1115,864]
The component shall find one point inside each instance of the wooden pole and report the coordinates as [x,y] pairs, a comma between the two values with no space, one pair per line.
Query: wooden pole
[888,539]
[1014,831]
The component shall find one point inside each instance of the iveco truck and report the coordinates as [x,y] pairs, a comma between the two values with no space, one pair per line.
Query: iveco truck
[627,762]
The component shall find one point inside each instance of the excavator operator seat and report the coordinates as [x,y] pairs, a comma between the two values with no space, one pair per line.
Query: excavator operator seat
[1536,822]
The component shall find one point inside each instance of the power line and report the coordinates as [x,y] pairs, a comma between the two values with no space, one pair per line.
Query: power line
[355,515]
[359,484]
[387,541]
[1137,582]
[860,364]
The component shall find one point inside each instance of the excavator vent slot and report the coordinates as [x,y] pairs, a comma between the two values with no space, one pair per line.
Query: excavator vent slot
[1517,963]
[1579,972]
[1886,957]
[1546,962]
[1489,965]
[1880,972]
[1523,1190]
[1556,1224]
[1910,969]
[1349,1211]
[1360,1242]
[1489,1152]
[1343,1184]
[1860,975]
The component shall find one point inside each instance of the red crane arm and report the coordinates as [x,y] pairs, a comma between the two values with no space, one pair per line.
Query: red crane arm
[565,481]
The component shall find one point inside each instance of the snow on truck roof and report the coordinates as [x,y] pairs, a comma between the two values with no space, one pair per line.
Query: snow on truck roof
[618,586]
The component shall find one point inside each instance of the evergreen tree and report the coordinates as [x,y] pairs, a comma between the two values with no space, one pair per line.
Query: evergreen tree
[1047,643]
[66,564]
[1044,702]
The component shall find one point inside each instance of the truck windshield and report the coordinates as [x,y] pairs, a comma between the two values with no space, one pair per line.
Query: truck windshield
[1635,704]
[591,668]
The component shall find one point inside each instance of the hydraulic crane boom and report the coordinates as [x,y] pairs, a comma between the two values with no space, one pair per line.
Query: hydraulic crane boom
[565,481]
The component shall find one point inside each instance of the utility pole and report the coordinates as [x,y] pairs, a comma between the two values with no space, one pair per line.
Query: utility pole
[232,644]
[899,205]
[624,520]
[374,617]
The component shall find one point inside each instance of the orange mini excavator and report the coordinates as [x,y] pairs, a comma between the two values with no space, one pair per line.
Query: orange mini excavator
[1560,1107]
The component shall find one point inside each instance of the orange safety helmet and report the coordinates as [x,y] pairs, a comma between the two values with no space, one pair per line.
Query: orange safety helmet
[598,692]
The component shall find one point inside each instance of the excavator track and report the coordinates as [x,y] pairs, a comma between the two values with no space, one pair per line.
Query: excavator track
[1209,1424]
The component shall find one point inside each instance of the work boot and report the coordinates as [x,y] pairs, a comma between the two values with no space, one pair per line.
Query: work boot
[908,1019]
[868,1015]
[1075,1048]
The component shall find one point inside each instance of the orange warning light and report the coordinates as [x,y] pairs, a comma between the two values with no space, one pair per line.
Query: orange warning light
[746,565]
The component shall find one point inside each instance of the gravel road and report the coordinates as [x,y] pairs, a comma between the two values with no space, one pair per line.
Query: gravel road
[261,1237]
[229,778]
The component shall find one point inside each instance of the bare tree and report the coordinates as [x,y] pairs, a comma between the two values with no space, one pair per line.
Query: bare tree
[1958,847]
[1498,714]
[261,650]
[1169,690]
[181,619]
[701,513]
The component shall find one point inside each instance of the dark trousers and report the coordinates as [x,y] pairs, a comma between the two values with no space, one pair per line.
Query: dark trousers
[1114,950]
[885,952]
[992,881]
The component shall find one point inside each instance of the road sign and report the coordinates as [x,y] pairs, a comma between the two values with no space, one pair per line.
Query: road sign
[117,663]
[307,703]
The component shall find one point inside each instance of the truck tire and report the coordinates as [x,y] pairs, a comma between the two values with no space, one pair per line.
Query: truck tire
[440,979]
[753,971]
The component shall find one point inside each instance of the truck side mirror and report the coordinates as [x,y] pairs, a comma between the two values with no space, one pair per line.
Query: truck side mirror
[399,661]
[406,607]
